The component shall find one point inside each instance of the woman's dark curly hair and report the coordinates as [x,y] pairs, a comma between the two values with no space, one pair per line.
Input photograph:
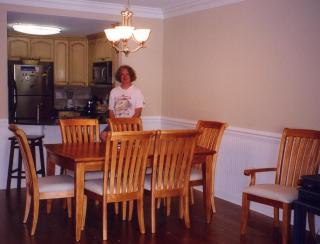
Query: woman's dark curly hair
[131,72]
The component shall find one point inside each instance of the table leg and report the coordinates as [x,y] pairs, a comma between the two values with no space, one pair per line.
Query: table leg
[79,192]
[208,189]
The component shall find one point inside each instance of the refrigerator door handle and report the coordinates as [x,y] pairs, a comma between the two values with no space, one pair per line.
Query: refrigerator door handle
[15,98]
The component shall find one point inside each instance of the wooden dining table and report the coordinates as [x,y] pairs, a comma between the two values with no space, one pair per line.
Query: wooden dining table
[82,158]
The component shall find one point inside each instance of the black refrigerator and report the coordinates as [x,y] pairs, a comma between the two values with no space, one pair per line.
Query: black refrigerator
[31,93]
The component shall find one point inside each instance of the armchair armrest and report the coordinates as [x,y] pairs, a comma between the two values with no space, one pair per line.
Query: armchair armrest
[252,173]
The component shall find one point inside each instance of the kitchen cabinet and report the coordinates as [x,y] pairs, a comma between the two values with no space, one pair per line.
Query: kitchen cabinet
[29,47]
[61,62]
[78,66]
[18,47]
[100,49]
[42,48]
[70,62]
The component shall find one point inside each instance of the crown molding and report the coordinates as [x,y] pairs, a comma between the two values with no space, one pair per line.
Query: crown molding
[89,6]
[195,6]
[172,10]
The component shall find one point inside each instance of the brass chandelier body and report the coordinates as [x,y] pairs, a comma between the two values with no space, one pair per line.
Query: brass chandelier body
[121,35]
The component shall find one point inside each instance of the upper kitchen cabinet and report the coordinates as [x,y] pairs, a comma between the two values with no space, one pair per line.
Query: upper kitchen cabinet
[78,62]
[42,49]
[99,50]
[61,62]
[20,47]
[99,47]
[71,62]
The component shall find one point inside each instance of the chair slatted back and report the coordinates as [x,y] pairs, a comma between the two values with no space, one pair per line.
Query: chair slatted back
[125,163]
[299,154]
[172,161]
[27,159]
[125,124]
[210,134]
[79,130]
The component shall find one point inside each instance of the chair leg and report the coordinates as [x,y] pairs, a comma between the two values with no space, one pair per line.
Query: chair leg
[181,214]
[311,223]
[244,213]
[153,214]
[116,208]
[213,203]
[286,223]
[191,196]
[104,220]
[49,206]
[85,203]
[140,215]
[35,214]
[186,210]
[275,217]
[130,210]
[168,206]
[124,210]
[69,206]
[27,207]
[159,202]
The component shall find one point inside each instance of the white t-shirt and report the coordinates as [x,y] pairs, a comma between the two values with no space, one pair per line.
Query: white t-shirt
[123,102]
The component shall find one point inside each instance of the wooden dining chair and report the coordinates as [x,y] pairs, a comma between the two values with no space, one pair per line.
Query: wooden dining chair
[125,124]
[209,137]
[44,188]
[80,131]
[171,171]
[299,154]
[124,173]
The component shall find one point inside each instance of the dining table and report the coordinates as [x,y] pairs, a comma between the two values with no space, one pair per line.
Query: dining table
[88,157]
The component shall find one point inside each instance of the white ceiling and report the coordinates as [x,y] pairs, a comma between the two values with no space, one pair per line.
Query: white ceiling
[79,27]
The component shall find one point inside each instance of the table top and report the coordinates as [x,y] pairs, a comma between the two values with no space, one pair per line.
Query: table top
[96,151]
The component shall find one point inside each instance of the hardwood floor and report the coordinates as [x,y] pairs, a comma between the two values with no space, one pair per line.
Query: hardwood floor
[58,229]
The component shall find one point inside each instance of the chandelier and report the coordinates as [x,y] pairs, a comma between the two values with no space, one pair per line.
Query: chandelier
[121,34]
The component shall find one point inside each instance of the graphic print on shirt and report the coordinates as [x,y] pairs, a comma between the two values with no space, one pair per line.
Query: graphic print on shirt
[123,106]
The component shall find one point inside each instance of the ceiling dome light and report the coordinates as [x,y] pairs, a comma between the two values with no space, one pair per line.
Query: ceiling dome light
[36,29]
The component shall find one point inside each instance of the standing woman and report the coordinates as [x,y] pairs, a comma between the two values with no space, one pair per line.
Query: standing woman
[126,100]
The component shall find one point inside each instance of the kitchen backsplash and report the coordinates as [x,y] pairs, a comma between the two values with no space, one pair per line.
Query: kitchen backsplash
[76,96]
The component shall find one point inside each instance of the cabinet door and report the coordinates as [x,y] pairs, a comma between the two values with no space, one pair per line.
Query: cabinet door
[61,62]
[91,58]
[78,63]
[18,47]
[103,49]
[42,49]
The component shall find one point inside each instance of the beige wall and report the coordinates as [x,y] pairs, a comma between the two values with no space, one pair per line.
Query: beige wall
[254,64]
[3,64]
[147,62]
[148,66]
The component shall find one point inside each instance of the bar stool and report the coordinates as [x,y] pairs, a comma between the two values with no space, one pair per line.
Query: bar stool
[34,141]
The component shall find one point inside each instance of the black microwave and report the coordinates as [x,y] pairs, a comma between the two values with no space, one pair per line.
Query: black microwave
[102,72]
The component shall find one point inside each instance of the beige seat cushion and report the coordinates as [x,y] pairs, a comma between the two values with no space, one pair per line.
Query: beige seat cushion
[89,175]
[148,182]
[276,192]
[56,183]
[96,186]
[196,174]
